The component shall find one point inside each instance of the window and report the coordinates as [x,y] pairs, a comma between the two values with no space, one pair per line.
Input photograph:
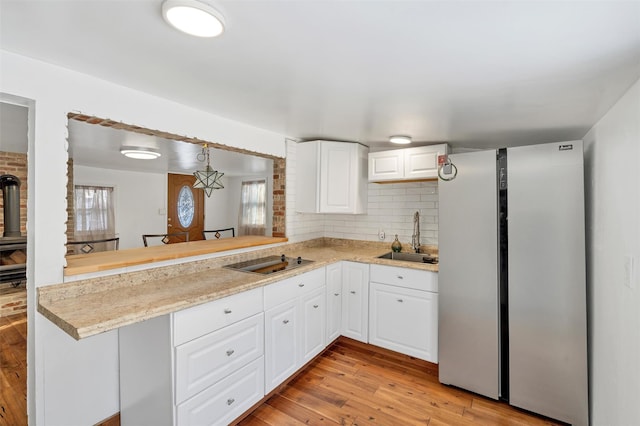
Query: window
[94,212]
[253,208]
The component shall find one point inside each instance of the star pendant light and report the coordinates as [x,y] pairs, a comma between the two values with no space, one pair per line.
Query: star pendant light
[207,179]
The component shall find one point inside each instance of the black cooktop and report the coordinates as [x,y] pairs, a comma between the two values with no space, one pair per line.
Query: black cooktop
[269,264]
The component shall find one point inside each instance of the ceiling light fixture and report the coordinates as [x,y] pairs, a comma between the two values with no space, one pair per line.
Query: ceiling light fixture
[207,179]
[193,17]
[402,140]
[140,152]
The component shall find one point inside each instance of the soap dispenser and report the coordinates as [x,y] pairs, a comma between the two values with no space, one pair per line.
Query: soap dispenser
[396,246]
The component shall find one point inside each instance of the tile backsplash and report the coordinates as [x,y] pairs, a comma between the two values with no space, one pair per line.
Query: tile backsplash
[390,209]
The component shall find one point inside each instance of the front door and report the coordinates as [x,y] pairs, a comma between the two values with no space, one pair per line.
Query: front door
[186,207]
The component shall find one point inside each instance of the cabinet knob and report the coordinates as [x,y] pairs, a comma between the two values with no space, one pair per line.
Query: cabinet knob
[300,285]
[315,306]
[227,311]
[285,322]
[353,292]
[336,294]
[230,352]
[400,277]
[400,300]
[230,401]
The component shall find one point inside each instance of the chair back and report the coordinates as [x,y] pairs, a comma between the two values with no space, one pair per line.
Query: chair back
[217,233]
[93,246]
[166,238]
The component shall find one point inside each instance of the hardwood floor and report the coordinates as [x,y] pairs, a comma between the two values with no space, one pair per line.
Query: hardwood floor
[349,384]
[357,384]
[13,370]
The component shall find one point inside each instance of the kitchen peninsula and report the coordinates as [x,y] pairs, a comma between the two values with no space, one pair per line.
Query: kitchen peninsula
[89,307]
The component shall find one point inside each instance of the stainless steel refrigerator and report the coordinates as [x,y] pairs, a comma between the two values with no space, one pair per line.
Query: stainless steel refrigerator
[512,301]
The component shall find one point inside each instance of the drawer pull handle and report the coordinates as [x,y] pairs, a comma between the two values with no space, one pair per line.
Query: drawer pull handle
[300,285]
[336,294]
[353,292]
[227,311]
[400,277]
[230,352]
[230,401]
[315,306]
[285,322]
[400,300]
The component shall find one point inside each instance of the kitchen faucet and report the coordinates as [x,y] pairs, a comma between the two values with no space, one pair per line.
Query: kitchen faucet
[415,238]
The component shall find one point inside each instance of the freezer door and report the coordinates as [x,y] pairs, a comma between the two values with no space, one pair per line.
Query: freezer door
[468,289]
[547,292]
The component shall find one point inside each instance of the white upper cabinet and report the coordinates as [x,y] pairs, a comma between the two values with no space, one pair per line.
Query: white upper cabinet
[331,177]
[406,164]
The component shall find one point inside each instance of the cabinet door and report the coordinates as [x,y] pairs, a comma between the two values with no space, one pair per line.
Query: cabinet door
[334,301]
[355,302]
[338,177]
[386,165]
[313,325]
[404,320]
[281,343]
[421,162]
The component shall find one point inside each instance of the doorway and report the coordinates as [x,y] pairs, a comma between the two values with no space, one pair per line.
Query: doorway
[185,208]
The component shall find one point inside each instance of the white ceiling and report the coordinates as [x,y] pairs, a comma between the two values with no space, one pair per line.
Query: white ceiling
[98,146]
[475,74]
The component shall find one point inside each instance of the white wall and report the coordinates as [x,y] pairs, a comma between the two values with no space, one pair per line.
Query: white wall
[390,208]
[612,185]
[76,383]
[140,200]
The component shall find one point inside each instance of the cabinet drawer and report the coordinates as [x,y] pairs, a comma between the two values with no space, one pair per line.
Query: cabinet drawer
[290,288]
[405,277]
[203,319]
[204,361]
[226,400]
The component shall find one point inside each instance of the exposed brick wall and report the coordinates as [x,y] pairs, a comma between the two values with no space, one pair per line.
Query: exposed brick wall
[279,199]
[12,300]
[14,163]
[71,219]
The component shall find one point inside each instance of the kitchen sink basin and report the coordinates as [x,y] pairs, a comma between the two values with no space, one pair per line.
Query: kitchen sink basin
[269,264]
[410,257]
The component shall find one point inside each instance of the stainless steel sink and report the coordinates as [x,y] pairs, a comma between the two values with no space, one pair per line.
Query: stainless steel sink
[410,257]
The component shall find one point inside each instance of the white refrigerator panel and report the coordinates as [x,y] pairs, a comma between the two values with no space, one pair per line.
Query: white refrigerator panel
[468,290]
[547,293]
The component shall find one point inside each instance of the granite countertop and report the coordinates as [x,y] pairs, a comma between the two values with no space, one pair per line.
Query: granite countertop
[89,307]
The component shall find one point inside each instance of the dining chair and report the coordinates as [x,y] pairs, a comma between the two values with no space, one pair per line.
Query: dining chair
[90,246]
[218,232]
[166,238]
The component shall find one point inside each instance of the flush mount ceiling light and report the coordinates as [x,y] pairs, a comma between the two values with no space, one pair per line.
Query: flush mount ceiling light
[207,179]
[193,17]
[140,152]
[402,140]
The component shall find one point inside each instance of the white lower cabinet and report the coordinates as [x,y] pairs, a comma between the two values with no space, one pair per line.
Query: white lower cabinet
[355,301]
[295,315]
[403,311]
[281,343]
[202,365]
[334,301]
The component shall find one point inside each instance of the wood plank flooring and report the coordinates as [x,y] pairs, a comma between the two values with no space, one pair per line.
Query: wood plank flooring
[357,384]
[13,370]
[349,384]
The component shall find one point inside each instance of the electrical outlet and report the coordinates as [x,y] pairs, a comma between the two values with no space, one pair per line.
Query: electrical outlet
[381,235]
[629,272]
